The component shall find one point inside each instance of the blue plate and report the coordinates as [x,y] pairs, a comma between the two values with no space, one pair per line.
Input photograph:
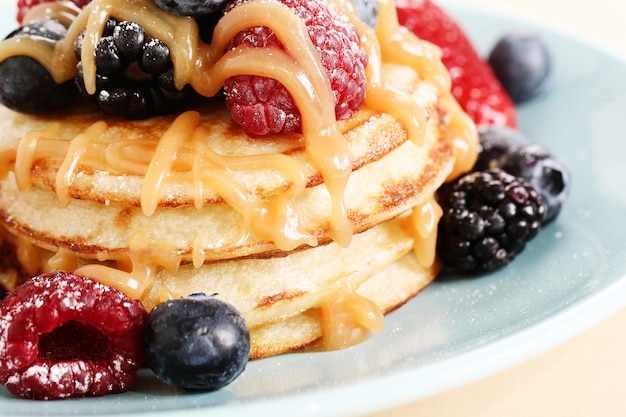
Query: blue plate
[569,278]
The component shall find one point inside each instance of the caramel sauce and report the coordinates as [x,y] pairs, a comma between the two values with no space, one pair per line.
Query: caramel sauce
[347,319]
[205,67]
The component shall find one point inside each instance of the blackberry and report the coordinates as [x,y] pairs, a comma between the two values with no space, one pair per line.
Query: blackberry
[489,216]
[134,73]
[25,84]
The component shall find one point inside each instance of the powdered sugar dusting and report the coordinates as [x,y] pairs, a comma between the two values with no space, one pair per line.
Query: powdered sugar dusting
[45,304]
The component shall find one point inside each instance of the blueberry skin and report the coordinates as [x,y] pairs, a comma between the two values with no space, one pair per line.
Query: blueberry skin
[367,10]
[47,29]
[494,143]
[195,8]
[522,63]
[196,343]
[547,174]
[25,85]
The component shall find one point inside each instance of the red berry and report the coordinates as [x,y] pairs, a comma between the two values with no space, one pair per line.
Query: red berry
[473,83]
[262,106]
[63,336]
[24,6]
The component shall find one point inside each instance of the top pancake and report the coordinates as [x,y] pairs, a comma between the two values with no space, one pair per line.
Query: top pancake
[390,175]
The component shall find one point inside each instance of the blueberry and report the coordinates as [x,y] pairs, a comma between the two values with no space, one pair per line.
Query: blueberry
[25,84]
[196,343]
[194,8]
[495,142]
[547,174]
[522,63]
[46,28]
[367,11]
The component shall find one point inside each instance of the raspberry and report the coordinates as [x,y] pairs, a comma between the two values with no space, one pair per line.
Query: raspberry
[262,106]
[489,216]
[24,6]
[474,84]
[63,336]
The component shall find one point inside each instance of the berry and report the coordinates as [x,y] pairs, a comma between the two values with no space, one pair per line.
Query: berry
[3,292]
[263,106]
[495,142]
[547,174]
[196,343]
[522,63]
[63,336]
[196,8]
[134,77]
[488,217]
[367,10]
[24,6]
[206,25]
[474,85]
[26,85]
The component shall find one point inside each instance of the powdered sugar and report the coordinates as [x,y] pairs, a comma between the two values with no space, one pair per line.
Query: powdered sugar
[48,313]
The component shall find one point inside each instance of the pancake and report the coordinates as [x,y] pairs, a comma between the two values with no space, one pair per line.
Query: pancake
[312,236]
[392,175]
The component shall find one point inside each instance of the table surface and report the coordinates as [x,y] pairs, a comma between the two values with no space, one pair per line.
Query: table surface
[585,376]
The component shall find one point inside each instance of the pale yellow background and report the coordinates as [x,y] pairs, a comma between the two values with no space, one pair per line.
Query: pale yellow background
[585,377]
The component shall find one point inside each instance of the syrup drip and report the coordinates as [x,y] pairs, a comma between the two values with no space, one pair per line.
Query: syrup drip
[205,67]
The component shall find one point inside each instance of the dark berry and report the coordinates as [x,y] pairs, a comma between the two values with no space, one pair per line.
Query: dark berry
[63,336]
[130,72]
[46,28]
[547,174]
[206,25]
[108,58]
[489,216]
[367,11]
[129,39]
[495,142]
[196,343]
[25,84]
[155,57]
[522,63]
[190,7]
[263,106]
[3,292]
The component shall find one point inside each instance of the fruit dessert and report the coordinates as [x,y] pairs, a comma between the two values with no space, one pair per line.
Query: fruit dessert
[275,169]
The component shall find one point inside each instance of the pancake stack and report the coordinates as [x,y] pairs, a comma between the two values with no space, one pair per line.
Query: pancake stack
[312,253]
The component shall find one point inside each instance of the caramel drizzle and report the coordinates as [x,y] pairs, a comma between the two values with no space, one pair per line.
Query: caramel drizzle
[206,67]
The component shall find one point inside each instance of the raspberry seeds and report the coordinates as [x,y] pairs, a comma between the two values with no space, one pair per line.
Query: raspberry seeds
[64,336]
